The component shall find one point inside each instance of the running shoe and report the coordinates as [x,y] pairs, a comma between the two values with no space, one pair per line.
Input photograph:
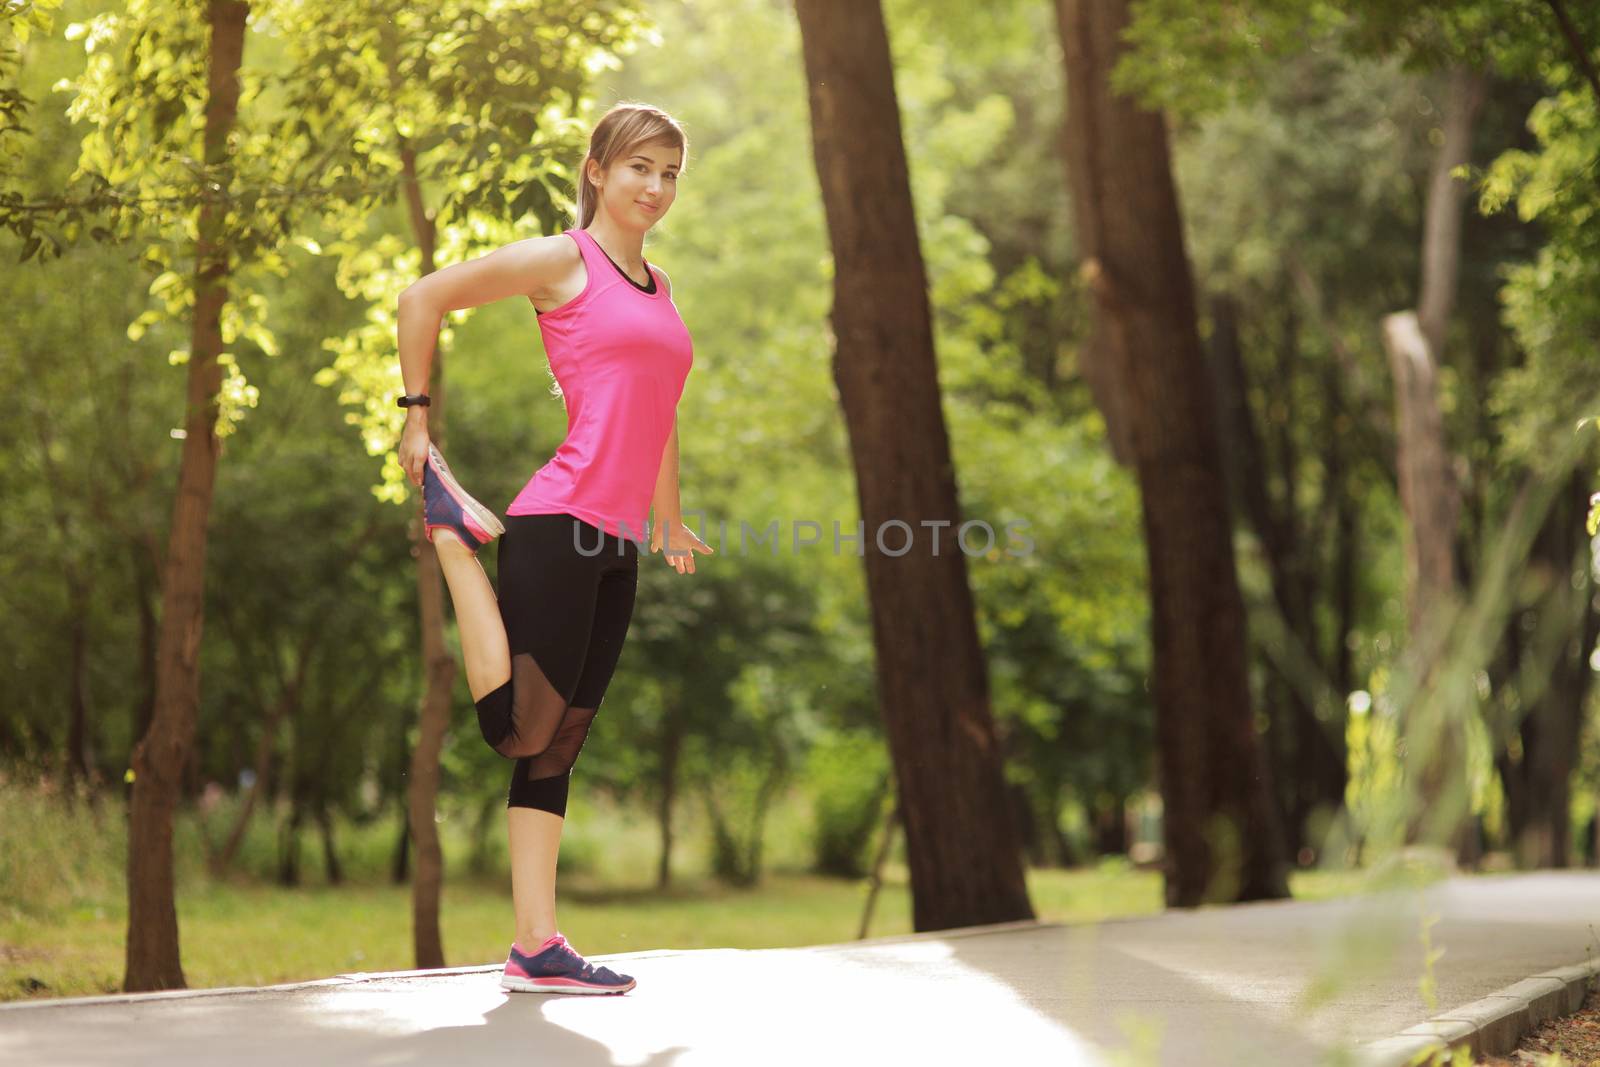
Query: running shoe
[555,967]
[448,506]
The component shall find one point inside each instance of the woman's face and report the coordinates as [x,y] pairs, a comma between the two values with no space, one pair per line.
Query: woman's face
[645,178]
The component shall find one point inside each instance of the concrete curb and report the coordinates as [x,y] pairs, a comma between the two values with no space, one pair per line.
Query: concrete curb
[1492,1026]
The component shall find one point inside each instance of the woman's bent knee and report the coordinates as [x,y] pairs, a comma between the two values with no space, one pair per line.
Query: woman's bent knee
[494,716]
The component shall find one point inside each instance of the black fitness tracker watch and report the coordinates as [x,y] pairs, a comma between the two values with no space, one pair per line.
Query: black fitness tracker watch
[414,399]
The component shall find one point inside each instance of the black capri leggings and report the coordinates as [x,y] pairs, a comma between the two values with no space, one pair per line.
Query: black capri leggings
[566,596]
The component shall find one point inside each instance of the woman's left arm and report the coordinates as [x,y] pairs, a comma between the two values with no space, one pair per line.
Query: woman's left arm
[668,530]
[665,501]
[680,542]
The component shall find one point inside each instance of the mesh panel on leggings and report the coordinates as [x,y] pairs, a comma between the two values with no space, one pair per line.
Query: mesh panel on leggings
[562,752]
[536,710]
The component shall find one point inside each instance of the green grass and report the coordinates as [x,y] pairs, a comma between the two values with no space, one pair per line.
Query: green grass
[63,914]
[253,935]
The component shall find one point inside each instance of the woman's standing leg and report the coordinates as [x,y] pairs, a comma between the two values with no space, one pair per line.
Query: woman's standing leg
[535,841]
[536,813]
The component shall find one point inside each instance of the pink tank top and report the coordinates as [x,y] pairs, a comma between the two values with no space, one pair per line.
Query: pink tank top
[620,354]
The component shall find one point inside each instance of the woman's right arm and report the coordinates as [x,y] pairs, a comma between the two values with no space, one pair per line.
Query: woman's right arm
[522,268]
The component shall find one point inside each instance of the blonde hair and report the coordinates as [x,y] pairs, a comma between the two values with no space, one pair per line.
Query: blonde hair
[625,127]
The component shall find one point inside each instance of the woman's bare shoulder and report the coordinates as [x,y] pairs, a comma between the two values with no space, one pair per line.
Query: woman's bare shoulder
[546,262]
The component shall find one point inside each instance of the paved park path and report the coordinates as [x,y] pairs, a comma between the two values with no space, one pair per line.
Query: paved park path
[1215,986]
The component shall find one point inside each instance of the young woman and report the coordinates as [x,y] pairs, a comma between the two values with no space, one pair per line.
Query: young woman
[538,658]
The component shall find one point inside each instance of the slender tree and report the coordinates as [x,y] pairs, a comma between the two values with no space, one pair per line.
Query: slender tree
[159,758]
[965,858]
[1307,755]
[1220,827]
[1546,646]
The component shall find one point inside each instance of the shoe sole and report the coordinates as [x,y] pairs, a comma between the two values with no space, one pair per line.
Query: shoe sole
[558,985]
[477,512]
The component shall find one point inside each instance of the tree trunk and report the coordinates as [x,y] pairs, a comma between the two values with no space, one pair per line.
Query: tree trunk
[875,876]
[1441,227]
[427,882]
[439,664]
[289,843]
[773,781]
[79,575]
[1429,493]
[1026,823]
[1368,430]
[1111,827]
[330,853]
[160,757]
[1221,833]
[1428,490]
[286,706]
[481,861]
[80,750]
[1066,854]
[1341,492]
[1308,763]
[146,565]
[966,867]
[727,860]
[400,868]
[1552,680]
[738,838]
[1352,413]
[1021,800]
[261,766]
[1317,763]
[671,747]
[1431,502]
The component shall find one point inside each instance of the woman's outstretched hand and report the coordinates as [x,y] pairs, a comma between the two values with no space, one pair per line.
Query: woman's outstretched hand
[413,452]
[680,542]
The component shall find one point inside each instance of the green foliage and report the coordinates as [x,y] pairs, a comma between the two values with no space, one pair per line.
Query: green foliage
[751,715]
[305,565]
[1199,57]
[488,97]
[18,21]
[847,774]
[143,170]
[1196,57]
[417,102]
[1269,191]
[1552,303]
[89,462]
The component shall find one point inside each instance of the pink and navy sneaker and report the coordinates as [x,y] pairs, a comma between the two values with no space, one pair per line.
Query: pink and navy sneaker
[555,967]
[445,505]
